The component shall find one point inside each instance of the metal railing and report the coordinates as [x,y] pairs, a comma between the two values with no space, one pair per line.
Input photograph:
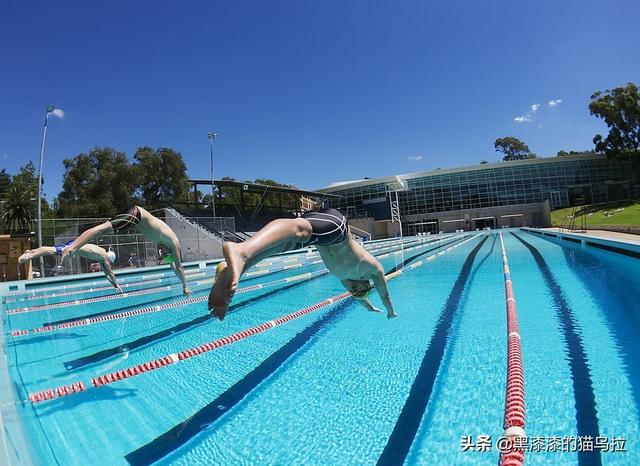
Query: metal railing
[365,235]
[131,248]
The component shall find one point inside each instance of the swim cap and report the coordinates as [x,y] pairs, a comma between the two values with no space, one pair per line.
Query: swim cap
[362,294]
[111,256]
[365,295]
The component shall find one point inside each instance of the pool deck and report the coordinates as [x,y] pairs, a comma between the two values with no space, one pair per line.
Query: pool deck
[603,234]
[621,243]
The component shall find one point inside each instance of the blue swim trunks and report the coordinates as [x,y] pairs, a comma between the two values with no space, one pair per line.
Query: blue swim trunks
[61,247]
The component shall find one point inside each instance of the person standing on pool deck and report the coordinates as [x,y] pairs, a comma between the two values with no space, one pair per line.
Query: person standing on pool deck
[151,227]
[326,229]
[89,251]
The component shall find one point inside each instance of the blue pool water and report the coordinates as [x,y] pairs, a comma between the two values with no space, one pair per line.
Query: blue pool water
[339,385]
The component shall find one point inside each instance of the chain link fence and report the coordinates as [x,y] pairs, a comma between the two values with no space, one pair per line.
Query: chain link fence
[200,239]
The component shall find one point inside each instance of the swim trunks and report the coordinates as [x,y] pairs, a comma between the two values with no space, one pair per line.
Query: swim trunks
[328,227]
[123,221]
[61,247]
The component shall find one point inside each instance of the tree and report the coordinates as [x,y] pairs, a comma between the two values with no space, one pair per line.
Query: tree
[513,149]
[5,182]
[620,110]
[17,209]
[564,153]
[98,184]
[273,200]
[161,175]
[482,162]
[27,178]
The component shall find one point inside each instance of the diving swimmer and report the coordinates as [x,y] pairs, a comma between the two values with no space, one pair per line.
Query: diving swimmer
[326,229]
[88,251]
[151,227]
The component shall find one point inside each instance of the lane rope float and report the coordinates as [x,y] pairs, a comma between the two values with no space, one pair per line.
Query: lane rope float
[150,309]
[174,358]
[514,403]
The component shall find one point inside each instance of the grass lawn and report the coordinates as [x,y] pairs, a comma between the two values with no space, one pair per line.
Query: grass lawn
[595,214]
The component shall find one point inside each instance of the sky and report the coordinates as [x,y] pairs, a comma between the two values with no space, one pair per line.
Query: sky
[308,93]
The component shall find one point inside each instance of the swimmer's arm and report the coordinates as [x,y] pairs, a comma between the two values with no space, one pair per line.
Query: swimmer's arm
[108,272]
[367,304]
[380,282]
[86,237]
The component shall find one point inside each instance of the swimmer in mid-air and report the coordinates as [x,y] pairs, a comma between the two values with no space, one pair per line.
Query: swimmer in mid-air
[151,227]
[326,229]
[88,251]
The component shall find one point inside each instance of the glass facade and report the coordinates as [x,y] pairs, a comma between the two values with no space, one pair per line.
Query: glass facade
[564,181]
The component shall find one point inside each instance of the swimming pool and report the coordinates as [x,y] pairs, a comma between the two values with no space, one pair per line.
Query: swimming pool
[336,384]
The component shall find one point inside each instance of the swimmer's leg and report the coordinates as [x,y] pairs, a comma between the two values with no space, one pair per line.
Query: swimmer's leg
[277,236]
[31,254]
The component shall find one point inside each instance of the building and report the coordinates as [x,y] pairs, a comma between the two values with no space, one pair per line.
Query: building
[488,195]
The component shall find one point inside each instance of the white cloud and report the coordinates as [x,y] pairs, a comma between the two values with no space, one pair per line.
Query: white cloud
[535,107]
[553,103]
[415,158]
[522,118]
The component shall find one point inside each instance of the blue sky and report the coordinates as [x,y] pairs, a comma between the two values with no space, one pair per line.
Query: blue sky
[308,93]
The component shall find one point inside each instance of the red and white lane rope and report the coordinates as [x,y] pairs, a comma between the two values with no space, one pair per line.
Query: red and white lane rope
[14,296]
[514,405]
[170,279]
[158,308]
[163,307]
[167,288]
[79,302]
[34,294]
[111,377]
[152,309]
[95,299]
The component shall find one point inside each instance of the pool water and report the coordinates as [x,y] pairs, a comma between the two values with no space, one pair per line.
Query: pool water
[339,385]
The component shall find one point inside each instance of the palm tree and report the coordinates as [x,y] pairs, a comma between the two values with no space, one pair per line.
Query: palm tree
[16,211]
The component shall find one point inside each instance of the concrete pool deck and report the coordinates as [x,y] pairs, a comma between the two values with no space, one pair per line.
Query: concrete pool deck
[604,234]
[621,243]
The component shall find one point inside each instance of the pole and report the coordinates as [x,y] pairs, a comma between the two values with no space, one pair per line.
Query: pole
[399,219]
[213,187]
[212,136]
[39,214]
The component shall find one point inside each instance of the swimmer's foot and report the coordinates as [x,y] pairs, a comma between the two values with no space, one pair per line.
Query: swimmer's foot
[226,281]
[391,315]
[217,296]
[26,256]
[235,261]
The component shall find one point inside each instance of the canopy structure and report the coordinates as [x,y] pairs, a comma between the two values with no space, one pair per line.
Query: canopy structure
[248,201]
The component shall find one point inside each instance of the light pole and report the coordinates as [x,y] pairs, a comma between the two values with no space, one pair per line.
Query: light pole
[59,113]
[212,136]
[394,188]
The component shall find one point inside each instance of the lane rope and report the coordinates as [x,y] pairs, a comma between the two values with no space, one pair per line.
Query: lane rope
[15,296]
[174,358]
[514,403]
[115,296]
[150,309]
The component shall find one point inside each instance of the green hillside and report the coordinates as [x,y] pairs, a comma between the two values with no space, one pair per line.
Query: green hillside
[609,214]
